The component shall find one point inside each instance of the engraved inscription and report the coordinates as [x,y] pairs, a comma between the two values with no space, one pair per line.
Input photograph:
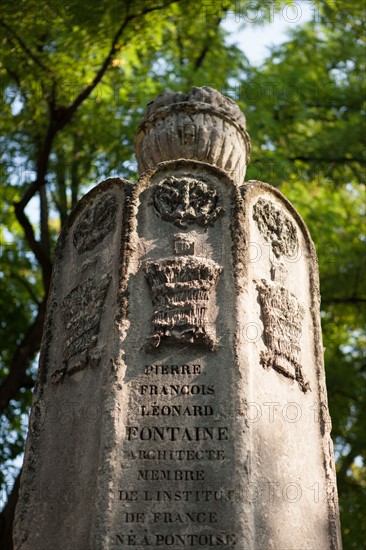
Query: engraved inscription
[191,540]
[174,461]
[95,223]
[282,317]
[177,433]
[181,291]
[187,200]
[276,228]
[81,311]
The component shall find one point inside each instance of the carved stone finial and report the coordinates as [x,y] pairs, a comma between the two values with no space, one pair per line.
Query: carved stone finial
[202,125]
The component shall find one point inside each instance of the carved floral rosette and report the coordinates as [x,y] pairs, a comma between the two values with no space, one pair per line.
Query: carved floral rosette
[202,125]
[181,290]
[95,223]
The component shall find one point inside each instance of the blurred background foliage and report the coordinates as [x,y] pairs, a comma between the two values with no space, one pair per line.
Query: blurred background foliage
[75,78]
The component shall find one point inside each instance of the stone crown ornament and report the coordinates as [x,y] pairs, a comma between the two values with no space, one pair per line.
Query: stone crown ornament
[202,125]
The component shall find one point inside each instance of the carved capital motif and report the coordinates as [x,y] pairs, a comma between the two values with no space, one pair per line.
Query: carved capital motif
[81,311]
[95,223]
[282,318]
[181,291]
[276,228]
[186,200]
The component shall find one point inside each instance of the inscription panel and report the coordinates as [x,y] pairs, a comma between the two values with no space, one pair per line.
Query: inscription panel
[177,451]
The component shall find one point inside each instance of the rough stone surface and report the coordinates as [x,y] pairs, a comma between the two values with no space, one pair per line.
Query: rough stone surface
[181,398]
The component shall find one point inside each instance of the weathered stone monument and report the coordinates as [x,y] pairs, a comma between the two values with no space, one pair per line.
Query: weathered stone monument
[181,399]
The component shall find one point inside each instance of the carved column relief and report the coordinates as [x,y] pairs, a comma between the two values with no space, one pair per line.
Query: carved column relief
[182,286]
[81,311]
[181,291]
[282,318]
[281,311]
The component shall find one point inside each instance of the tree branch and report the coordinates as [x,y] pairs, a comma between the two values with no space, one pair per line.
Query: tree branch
[41,256]
[7,517]
[26,285]
[25,48]
[44,226]
[201,57]
[13,75]
[74,179]
[42,166]
[59,117]
[206,47]
[84,94]
[22,359]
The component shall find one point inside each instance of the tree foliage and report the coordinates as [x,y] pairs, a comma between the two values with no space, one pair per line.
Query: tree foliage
[75,82]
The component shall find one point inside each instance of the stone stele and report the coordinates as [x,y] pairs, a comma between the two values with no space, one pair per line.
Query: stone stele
[181,399]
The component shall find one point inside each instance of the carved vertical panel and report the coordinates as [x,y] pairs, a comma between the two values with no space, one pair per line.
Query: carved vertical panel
[65,462]
[281,311]
[283,354]
[81,312]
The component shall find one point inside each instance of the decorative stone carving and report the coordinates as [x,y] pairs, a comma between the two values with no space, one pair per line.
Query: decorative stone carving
[81,311]
[276,228]
[202,125]
[181,290]
[95,223]
[184,245]
[282,318]
[186,200]
[279,273]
